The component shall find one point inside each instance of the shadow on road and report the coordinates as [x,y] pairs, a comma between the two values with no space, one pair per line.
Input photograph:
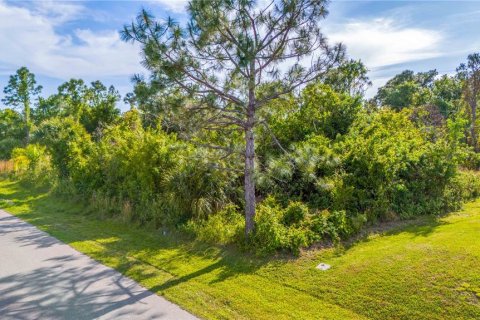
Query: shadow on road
[56,292]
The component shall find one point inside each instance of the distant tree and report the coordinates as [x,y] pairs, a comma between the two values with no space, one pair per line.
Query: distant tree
[46,108]
[72,97]
[101,106]
[131,100]
[21,89]
[11,131]
[469,73]
[406,89]
[10,124]
[446,94]
[92,106]
[228,51]
[350,77]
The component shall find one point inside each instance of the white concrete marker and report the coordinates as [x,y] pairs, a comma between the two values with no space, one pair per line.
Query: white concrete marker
[323,266]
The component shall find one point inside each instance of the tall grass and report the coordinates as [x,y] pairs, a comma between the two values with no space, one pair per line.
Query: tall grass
[6,166]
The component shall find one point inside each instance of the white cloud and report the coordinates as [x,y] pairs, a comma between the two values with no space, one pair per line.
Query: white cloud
[29,38]
[58,12]
[178,6]
[380,42]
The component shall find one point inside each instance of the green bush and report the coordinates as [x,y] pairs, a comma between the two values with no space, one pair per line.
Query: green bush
[297,238]
[164,180]
[69,146]
[464,187]
[307,173]
[392,170]
[329,225]
[295,227]
[295,213]
[7,145]
[223,227]
[270,234]
[32,164]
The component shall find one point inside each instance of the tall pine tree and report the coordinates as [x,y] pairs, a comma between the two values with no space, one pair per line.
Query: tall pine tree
[229,52]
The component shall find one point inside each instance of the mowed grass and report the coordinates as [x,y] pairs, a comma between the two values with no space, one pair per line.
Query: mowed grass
[429,270]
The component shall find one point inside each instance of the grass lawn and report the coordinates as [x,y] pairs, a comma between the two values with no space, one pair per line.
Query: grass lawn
[426,271]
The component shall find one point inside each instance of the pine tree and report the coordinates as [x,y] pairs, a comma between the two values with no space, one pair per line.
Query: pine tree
[21,88]
[229,53]
[470,74]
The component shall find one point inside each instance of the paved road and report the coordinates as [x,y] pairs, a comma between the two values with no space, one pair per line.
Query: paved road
[43,278]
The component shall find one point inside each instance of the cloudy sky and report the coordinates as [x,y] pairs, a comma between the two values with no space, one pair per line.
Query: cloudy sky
[59,40]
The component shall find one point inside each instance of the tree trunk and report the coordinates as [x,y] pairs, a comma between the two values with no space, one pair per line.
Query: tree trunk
[473,130]
[26,112]
[249,172]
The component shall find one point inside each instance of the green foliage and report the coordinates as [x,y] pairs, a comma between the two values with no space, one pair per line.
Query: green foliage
[165,180]
[32,165]
[270,234]
[469,73]
[10,124]
[223,227]
[92,106]
[7,145]
[47,108]
[327,112]
[295,227]
[101,110]
[11,132]
[68,144]
[350,77]
[392,169]
[309,172]
[318,110]
[447,92]
[406,89]
[464,187]
[295,213]
[21,88]
[331,225]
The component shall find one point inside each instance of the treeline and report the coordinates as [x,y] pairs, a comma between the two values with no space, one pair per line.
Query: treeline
[325,161]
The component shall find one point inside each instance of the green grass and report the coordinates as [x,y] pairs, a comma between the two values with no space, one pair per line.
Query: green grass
[427,271]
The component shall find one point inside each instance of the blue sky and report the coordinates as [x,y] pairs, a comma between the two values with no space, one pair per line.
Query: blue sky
[59,40]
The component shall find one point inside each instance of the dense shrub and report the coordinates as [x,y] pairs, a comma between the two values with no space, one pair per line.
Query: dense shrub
[319,110]
[164,180]
[308,173]
[295,213]
[392,170]
[223,227]
[465,186]
[69,145]
[270,234]
[32,164]
[325,169]
[295,227]
[7,145]
[331,225]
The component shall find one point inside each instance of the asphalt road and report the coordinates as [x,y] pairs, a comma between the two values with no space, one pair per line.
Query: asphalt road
[43,278]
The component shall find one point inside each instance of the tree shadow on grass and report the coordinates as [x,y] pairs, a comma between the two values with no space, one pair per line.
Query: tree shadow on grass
[132,246]
[422,226]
